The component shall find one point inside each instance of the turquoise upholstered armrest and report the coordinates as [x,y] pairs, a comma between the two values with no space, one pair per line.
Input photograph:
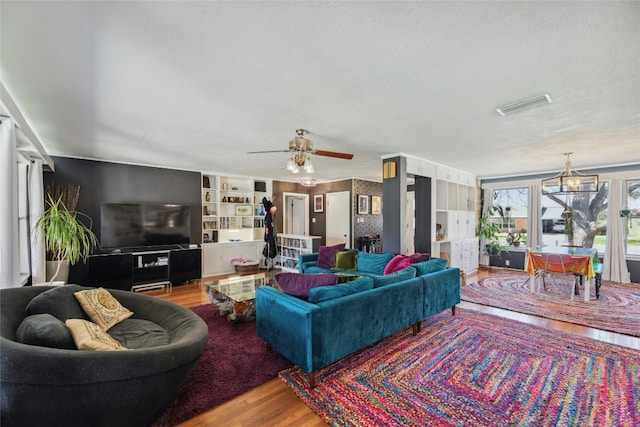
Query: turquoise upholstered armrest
[441,290]
[306,260]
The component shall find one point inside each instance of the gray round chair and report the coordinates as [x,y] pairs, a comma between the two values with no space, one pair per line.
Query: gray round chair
[62,387]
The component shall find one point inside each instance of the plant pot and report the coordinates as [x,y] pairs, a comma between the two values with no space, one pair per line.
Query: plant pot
[63,274]
[516,244]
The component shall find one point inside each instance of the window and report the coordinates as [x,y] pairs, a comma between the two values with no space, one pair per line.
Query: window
[514,203]
[576,219]
[633,222]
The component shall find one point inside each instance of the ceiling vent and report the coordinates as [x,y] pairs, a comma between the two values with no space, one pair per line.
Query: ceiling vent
[524,104]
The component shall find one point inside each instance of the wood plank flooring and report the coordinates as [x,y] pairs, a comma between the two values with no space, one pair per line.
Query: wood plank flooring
[274,404]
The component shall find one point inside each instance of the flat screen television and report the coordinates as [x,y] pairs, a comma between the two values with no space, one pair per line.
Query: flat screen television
[125,225]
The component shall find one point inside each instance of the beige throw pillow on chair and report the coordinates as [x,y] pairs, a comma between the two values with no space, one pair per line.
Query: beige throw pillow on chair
[102,308]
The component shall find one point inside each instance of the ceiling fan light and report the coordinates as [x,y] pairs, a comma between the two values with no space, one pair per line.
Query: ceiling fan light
[290,164]
[308,166]
[296,169]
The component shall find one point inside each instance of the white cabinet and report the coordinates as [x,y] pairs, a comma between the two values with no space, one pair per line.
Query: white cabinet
[216,257]
[292,246]
[232,208]
[455,218]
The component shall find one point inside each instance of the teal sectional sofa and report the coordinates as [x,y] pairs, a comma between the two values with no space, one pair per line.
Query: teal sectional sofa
[338,320]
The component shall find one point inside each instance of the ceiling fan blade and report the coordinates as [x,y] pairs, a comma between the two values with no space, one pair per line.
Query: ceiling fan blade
[270,151]
[333,154]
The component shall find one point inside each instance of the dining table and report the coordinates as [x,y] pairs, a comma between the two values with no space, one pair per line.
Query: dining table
[578,261]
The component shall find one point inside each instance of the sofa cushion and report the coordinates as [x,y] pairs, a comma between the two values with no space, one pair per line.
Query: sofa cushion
[298,284]
[89,336]
[372,262]
[346,260]
[327,255]
[102,308]
[59,302]
[419,257]
[45,330]
[433,265]
[398,276]
[326,293]
[140,333]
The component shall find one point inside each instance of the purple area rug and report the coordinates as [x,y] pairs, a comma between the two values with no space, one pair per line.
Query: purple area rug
[475,369]
[617,309]
[234,361]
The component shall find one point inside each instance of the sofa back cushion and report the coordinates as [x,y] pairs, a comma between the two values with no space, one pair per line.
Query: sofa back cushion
[299,285]
[373,263]
[346,260]
[60,302]
[398,276]
[327,255]
[433,265]
[326,293]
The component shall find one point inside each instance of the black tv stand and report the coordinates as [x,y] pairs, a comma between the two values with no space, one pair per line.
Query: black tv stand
[140,268]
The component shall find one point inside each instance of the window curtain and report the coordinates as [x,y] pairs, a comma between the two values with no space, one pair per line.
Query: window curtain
[534,225]
[36,208]
[9,243]
[615,264]
[487,199]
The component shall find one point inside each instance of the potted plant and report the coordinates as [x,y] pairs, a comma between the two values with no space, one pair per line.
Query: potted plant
[489,230]
[514,239]
[67,239]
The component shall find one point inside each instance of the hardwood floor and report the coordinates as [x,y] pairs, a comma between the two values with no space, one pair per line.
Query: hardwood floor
[274,404]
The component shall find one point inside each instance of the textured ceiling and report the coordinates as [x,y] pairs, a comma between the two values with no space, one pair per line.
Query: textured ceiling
[195,85]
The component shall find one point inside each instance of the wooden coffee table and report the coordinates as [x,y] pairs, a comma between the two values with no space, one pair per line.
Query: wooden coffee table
[236,296]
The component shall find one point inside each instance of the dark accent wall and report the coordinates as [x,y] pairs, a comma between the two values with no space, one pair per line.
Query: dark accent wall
[394,193]
[422,237]
[104,182]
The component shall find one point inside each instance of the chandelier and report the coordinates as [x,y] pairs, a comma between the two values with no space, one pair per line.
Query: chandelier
[569,181]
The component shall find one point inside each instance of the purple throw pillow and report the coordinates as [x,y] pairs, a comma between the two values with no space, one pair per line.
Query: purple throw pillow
[298,284]
[418,257]
[327,255]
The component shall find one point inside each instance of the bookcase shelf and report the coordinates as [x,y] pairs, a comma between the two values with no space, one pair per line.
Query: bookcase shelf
[292,246]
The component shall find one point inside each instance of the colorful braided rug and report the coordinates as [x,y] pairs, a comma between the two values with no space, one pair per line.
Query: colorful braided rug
[475,369]
[617,309]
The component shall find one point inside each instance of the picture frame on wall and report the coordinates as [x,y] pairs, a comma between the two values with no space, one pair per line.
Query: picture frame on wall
[318,203]
[363,204]
[376,205]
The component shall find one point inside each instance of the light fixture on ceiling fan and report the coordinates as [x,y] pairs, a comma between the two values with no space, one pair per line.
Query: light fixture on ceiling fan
[569,181]
[301,150]
[308,182]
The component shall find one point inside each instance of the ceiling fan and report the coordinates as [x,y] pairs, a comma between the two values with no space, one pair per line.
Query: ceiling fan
[300,148]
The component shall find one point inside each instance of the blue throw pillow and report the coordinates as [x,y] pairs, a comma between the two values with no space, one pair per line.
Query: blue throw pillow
[299,285]
[325,293]
[431,266]
[373,263]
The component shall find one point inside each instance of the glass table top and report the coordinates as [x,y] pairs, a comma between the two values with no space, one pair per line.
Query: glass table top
[242,288]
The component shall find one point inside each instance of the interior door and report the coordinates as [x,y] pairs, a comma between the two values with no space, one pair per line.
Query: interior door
[410,222]
[338,227]
[296,214]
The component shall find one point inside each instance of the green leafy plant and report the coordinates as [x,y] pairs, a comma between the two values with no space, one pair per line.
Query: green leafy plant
[66,237]
[489,230]
[514,239]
